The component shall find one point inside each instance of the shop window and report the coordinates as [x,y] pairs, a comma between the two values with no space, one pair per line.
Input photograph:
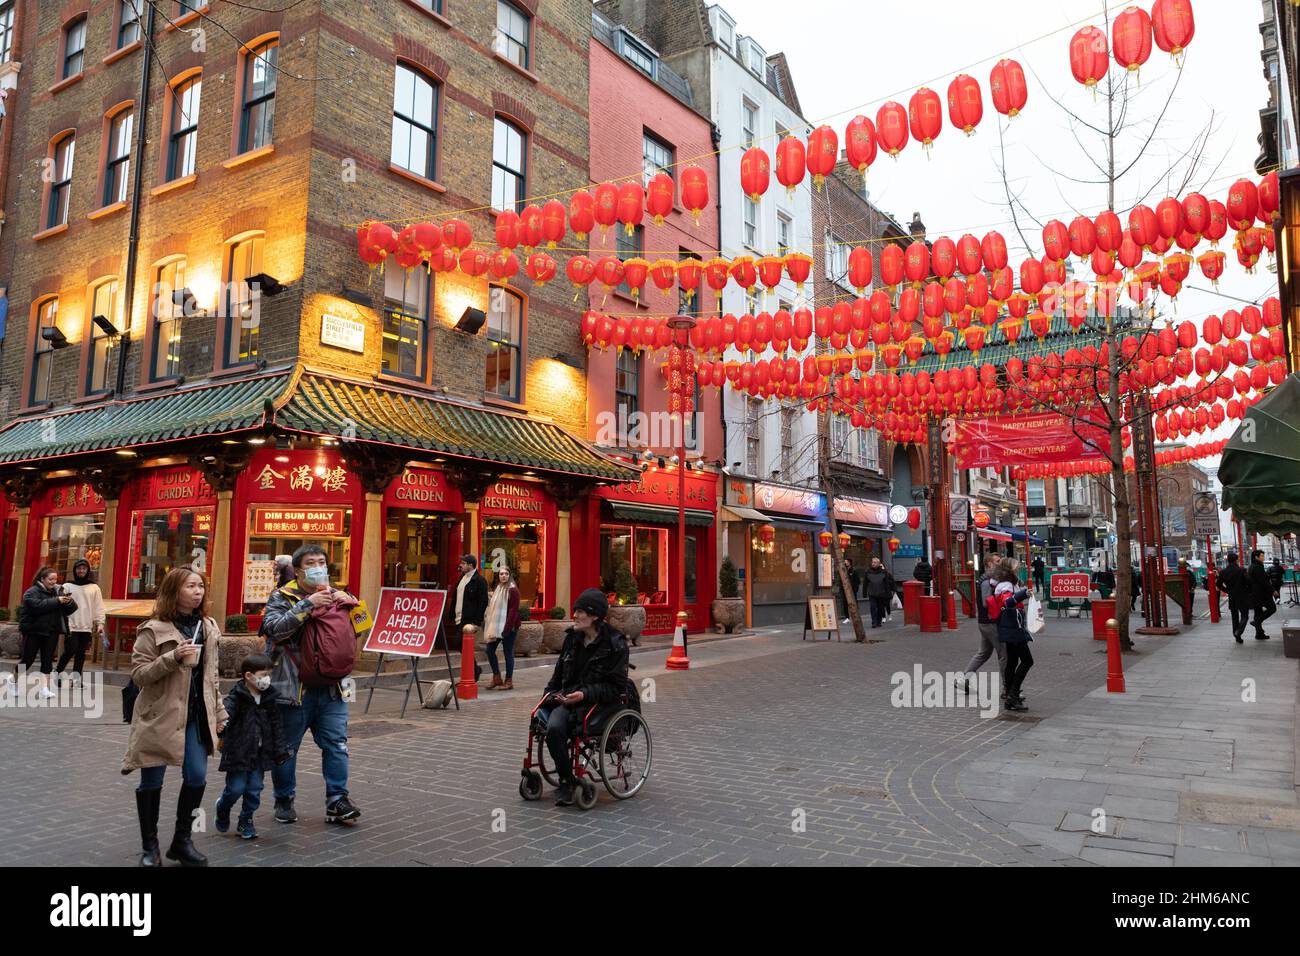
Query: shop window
[505,340]
[47,317]
[781,569]
[71,538]
[128,22]
[656,157]
[415,122]
[615,548]
[650,565]
[163,540]
[691,578]
[262,549]
[74,48]
[519,545]
[421,548]
[62,156]
[243,301]
[509,165]
[257,117]
[167,315]
[183,140]
[104,301]
[117,160]
[513,33]
[406,320]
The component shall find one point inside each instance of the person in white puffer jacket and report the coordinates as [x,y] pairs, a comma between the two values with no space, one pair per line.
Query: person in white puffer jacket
[86,623]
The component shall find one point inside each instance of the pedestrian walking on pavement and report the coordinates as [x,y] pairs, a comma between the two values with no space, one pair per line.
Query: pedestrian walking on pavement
[880,587]
[178,713]
[1234,582]
[1276,576]
[1040,574]
[988,627]
[1262,593]
[1007,607]
[501,626]
[251,744]
[1137,589]
[45,611]
[310,613]
[86,622]
[923,573]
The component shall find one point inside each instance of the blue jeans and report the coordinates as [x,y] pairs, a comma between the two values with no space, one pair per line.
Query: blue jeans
[508,642]
[246,784]
[194,769]
[327,716]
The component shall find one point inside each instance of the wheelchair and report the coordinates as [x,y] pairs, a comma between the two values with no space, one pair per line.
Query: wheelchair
[612,743]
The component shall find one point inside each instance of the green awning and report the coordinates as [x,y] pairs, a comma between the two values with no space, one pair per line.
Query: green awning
[659,514]
[178,414]
[1260,468]
[341,409]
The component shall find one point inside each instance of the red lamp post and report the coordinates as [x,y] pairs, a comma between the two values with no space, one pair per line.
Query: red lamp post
[681,389]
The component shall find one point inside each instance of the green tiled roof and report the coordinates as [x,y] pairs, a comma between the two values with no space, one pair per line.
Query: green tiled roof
[328,406]
[996,351]
[183,413]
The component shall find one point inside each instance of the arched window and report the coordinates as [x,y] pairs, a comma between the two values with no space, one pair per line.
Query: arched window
[61,182]
[169,278]
[74,48]
[257,117]
[47,317]
[183,141]
[117,159]
[505,327]
[415,122]
[105,302]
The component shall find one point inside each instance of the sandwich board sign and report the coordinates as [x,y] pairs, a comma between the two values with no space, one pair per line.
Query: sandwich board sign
[820,617]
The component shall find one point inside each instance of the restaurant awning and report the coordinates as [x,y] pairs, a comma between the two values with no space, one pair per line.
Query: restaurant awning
[1260,467]
[739,513]
[659,514]
[999,532]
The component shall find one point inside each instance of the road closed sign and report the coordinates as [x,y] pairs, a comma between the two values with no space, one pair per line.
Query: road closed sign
[1064,586]
[406,622]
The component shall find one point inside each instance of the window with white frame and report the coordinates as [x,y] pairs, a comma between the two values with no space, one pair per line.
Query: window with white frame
[243,308]
[638,56]
[406,322]
[869,443]
[103,302]
[61,184]
[839,437]
[415,122]
[128,27]
[836,254]
[509,169]
[167,315]
[505,340]
[514,29]
[753,436]
[6,31]
[1035,493]
[751,223]
[1076,491]
[47,317]
[787,443]
[117,161]
[74,48]
[748,123]
[782,233]
[656,157]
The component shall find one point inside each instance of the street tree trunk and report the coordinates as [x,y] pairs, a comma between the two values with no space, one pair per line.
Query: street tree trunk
[828,489]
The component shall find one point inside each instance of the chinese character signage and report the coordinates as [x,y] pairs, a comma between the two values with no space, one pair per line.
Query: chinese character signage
[660,488]
[794,501]
[424,489]
[298,522]
[171,488]
[308,477]
[74,498]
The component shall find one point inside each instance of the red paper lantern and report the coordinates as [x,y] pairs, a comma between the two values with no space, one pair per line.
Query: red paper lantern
[1108,231]
[1007,88]
[891,265]
[1173,25]
[504,266]
[790,163]
[925,113]
[916,264]
[1131,38]
[1056,241]
[1269,199]
[754,173]
[824,539]
[541,269]
[456,234]
[891,127]
[553,223]
[605,209]
[530,227]
[1088,56]
[1243,201]
[1169,217]
[993,250]
[659,196]
[1142,226]
[913,518]
[1031,277]
[893,544]
[507,229]
[965,107]
[1083,237]
[859,272]
[860,144]
[475,262]
[609,270]
[631,205]
[823,153]
[695,190]
[969,255]
[582,218]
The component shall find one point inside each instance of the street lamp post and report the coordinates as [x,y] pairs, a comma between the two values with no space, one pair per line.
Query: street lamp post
[681,326]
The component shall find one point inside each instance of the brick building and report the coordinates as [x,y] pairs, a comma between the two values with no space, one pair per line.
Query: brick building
[252,384]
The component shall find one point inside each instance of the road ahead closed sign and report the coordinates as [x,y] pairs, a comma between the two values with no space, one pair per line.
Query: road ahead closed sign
[1064,586]
[406,622]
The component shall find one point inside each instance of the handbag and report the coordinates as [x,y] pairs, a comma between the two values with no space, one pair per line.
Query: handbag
[1033,615]
[129,693]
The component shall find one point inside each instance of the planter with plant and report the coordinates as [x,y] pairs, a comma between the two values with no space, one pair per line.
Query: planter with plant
[236,644]
[626,614]
[729,608]
[554,629]
[529,639]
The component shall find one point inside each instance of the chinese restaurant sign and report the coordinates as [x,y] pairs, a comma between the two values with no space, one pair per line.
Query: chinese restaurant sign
[516,497]
[172,488]
[660,488]
[73,498]
[297,522]
[794,501]
[1004,440]
[307,477]
[422,488]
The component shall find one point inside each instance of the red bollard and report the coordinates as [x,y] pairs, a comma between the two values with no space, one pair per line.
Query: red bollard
[467,686]
[929,614]
[913,591]
[1114,661]
[1214,594]
[1102,610]
[952,611]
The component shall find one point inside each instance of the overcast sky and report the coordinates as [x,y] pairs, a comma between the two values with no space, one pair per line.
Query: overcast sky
[848,58]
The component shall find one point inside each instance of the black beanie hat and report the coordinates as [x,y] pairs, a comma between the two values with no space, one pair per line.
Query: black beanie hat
[593,602]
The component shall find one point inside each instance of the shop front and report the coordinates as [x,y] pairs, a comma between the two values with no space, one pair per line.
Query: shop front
[424,530]
[66,525]
[517,529]
[636,524]
[866,522]
[167,515]
[783,552]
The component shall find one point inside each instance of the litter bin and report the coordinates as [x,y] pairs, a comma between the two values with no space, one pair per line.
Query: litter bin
[1102,611]
[930,616]
[912,592]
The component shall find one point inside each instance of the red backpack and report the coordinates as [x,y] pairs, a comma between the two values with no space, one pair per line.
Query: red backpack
[328,649]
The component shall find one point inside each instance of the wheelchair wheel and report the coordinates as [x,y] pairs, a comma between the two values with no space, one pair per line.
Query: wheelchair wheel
[530,785]
[586,795]
[544,761]
[625,754]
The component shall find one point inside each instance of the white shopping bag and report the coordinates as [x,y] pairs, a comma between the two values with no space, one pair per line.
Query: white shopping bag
[1033,615]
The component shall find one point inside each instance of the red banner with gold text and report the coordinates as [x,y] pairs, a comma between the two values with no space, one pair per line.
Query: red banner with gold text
[1000,441]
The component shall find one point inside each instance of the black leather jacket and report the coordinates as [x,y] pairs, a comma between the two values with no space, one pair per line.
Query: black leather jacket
[43,615]
[598,669]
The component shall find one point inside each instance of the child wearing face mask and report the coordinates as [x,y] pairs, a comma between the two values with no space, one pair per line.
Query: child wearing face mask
[251,744]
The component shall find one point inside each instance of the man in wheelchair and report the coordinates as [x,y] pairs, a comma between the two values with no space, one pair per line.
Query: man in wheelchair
[592,670]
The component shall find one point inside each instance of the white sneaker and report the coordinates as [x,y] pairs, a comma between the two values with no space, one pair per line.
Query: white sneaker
[46,694]
[845,621]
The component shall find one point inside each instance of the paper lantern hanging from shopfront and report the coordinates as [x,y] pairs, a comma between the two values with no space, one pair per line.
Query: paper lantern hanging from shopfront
[913,518]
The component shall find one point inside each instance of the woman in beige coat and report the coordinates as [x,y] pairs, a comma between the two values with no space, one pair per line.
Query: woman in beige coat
[179,711]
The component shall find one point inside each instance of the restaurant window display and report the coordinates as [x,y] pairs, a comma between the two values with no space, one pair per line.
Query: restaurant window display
[424,530]
[520,546]
[645,550]
[170,514]
[781,563]
[283,530]
[72,527]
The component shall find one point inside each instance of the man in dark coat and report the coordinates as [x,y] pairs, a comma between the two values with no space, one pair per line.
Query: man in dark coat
[923,573]
[1262,594]
[880,589]
[1234,582]
[471,600]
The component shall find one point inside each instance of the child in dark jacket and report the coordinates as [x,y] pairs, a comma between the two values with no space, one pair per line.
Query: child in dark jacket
[1007,607]
[251,744]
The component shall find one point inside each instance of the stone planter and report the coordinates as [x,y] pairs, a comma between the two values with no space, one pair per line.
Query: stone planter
[529,639]
[729,613]
[628,618]
[233,648]
[553,635]
[11,641]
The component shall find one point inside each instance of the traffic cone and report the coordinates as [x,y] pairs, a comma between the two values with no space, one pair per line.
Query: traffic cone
[677,659]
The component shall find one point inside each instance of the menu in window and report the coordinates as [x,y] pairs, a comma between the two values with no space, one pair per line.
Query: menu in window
[259,581]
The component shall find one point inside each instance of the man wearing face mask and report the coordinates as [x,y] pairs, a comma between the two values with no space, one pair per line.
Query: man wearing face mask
[309,601]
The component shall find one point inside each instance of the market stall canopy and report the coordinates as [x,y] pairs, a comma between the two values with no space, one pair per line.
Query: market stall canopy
[1260,469]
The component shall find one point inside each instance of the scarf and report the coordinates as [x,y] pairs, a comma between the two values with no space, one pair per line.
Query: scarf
[498,611]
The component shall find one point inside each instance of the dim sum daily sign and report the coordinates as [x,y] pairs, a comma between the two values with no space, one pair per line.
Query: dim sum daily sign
[406,622]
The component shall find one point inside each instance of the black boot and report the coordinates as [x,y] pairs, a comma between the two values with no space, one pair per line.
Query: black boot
[182,848]
[146,808]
